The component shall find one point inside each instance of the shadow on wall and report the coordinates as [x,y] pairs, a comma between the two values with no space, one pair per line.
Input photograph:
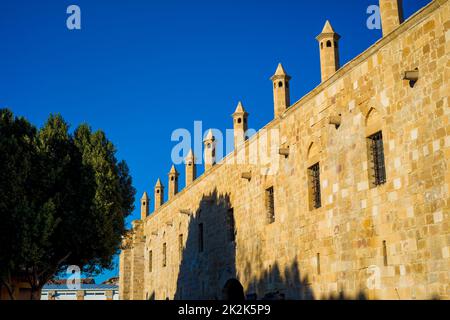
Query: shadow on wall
[208,264]
[273,284]
[288,284]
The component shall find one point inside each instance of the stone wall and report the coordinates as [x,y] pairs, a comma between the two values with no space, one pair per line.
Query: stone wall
[385,242]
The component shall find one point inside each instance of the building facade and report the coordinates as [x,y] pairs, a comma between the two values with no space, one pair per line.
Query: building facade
[345,194]
[86,292]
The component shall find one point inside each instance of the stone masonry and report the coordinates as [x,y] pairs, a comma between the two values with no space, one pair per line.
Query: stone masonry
[363,240]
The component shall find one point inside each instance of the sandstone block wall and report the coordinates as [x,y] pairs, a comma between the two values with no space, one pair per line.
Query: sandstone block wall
[385,242]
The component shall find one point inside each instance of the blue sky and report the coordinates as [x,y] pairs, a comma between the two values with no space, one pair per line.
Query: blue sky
[139,69]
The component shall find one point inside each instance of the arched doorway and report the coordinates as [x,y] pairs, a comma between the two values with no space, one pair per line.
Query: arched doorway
[233,291]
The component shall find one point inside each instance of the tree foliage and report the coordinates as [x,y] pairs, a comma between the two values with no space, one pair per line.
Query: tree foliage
[63,200]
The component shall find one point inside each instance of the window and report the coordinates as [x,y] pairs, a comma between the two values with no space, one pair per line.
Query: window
[314,186]
[270,205]
[328,44]
[377,170]
[231,226]
[385,259]
[318,263]
[180,246]
[150,261]
[164,254]
[280,84]
[200,237]
[239,120]
[321,45]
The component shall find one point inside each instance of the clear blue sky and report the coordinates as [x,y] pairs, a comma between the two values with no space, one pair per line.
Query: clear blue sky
[139,69]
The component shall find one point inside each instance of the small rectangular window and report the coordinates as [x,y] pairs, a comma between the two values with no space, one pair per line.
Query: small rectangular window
[150,261]
[200,237]
[385,259]
[180,246]
[164,254]
[377,168]
[270,205]
[318,263]
[314,186]
[231,226]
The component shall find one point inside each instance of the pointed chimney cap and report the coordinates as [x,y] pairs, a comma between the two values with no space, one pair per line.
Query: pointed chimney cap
[158,184]
[328,28]
[173,170]
[240,109]
[280,70]
[190,155]
[144,196]
[328,31]
[280,73]
[210,135]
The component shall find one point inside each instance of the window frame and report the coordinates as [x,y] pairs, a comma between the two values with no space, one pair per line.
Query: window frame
[376,159]
[314,186]
[270,205]
[150,261]
[164,254]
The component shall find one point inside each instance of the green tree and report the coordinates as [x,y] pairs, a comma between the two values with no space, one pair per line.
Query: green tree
[63,201]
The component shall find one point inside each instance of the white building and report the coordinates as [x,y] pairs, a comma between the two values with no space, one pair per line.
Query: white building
[86,292]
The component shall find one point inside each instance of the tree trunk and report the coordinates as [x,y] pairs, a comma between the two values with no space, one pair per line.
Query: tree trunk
[10,288]
[36,293]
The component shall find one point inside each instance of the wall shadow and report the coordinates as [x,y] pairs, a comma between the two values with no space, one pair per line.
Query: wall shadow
[208,264]
[289,284]
[208,258]
[275,284]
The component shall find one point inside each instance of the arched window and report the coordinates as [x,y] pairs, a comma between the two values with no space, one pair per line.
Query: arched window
[172,178]
[239,120]
[233,291]
[280,84]
[328,44]
[335,44]
[321,45]
[313,150]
